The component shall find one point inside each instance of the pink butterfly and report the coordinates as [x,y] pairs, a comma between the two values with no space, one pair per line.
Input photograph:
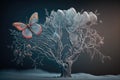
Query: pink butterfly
[28,29]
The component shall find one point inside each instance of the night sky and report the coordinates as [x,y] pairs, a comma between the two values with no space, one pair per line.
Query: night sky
[18,10]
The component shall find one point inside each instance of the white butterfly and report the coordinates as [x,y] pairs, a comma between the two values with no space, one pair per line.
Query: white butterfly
[28,29]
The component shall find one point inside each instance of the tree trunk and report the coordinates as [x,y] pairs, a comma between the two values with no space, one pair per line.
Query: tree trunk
[66,69]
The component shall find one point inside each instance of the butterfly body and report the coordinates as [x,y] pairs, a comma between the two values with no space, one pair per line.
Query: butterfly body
[29,29]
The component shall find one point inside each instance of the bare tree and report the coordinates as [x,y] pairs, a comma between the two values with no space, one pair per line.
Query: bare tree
[66,34]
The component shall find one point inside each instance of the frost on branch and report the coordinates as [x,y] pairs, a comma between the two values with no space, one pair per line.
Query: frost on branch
[66,34]
[79,26]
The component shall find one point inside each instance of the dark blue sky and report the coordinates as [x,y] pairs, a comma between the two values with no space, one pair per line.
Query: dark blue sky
[18,10]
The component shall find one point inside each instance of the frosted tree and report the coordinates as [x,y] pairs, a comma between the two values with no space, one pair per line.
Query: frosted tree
[66,34]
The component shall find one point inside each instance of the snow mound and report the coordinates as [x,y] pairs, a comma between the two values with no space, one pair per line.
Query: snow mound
[43,75]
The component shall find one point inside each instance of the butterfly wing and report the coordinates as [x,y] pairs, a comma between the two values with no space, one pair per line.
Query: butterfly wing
[27,33]
[20,26]
[36,28]
[33,18]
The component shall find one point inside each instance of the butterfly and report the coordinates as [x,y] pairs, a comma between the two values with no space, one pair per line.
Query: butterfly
[29,29]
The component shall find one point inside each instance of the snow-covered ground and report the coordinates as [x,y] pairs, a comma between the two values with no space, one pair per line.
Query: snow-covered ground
[42,75]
